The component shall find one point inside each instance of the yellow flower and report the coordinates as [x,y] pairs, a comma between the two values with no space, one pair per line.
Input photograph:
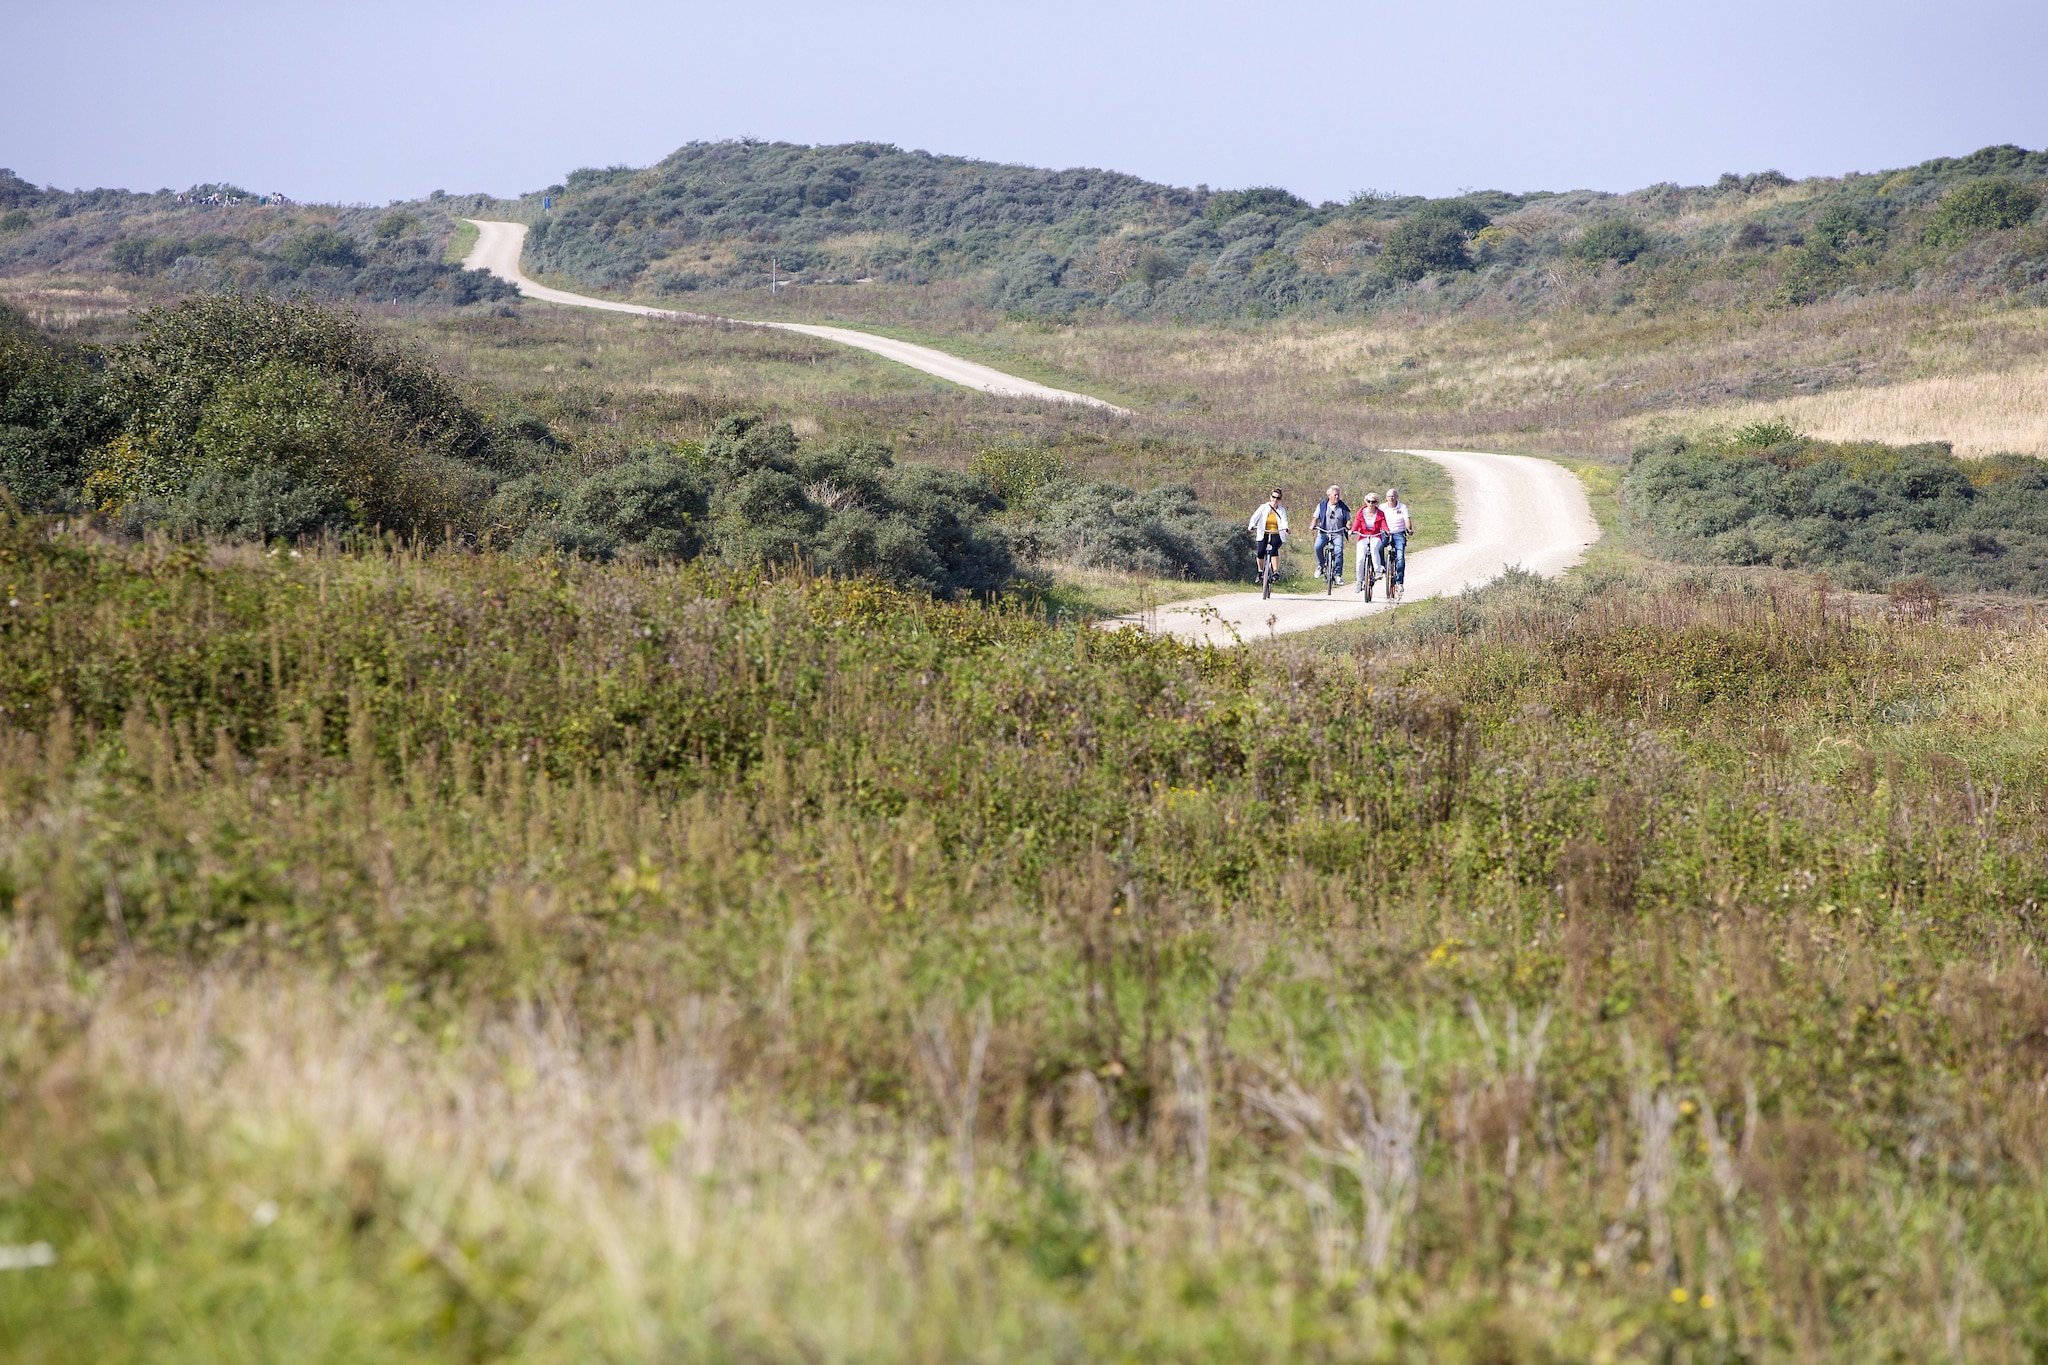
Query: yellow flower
[1706,1300]
[1679,1296]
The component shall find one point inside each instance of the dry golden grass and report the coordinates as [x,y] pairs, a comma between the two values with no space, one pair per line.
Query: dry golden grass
[1981,414]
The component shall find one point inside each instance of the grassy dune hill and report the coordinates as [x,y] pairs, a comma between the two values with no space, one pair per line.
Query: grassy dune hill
[530,835]
[1902,305]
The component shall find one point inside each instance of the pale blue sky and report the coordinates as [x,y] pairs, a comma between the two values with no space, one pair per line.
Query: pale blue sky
[379,100]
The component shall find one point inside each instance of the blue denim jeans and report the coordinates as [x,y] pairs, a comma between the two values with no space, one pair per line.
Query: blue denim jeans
[1333,541]
[1397,555]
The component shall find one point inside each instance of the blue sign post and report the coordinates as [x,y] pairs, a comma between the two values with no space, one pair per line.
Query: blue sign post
[547,203]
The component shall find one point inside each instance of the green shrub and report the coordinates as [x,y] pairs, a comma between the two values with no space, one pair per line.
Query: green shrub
[655,504]
[1019,472]
[15,220]
[1993,204]
[1165,533]
[1268,199]
[1428,245]
[322,246]
[1867,514]
[1774,431]
[1614,239]
[847,509]
[231,404]
[1467,215]
[51,417]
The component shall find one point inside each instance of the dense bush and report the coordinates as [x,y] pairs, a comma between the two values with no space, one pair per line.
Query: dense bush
[1612,239]
[51,417]
[231,407]
[1425,246]
[1165,533]
[1868,515]
[1266,199]
[846,508]
[1989,205]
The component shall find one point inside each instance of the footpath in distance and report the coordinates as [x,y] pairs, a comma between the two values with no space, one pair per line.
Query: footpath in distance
[1513,510]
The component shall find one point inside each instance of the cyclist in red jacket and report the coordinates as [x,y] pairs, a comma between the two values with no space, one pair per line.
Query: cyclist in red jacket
[1370,527]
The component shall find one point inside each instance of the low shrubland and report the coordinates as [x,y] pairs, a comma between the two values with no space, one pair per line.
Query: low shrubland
[450,955]
[276,421]
[1868,514]
[1064,244]
[220,237]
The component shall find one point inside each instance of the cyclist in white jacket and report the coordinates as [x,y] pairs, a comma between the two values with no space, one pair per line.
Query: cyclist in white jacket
[1268,527]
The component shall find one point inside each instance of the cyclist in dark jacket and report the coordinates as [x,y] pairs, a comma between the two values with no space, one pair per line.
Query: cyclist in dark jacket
[1331,523]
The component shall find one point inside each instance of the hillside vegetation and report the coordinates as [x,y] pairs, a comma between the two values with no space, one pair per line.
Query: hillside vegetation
[1901,306]
[1057,242]
[276,421]
[1870,515]
[221,237]
[451,956]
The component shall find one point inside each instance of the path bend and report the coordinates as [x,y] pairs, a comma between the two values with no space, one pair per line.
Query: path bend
[1514,511]
[499,246]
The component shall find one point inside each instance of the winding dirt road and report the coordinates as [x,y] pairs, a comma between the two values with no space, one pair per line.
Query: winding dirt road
[1512,510]
[500,245]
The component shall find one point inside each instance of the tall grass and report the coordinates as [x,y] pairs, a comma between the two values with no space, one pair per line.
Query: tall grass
[2001,411]
[443,955]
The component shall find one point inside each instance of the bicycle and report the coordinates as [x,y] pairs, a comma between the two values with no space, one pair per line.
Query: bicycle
[1368,567]
[1331,566]
[1267,564]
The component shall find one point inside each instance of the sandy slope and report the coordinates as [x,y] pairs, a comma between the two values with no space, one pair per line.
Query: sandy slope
[499,245]
[1512,511]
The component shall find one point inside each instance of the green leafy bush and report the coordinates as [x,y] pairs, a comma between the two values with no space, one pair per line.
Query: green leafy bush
[229,404]
[1166,532]
[1268,199]
[1614,239]
[847,509]
[655,503]
[1427,245]
[322,246]
[1867,514]
[51,417]
[1467,215]
[1774,431]
[1019,472]
[1992,204]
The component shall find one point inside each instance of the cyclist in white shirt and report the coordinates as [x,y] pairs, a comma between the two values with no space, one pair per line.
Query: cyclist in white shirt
[1400,523]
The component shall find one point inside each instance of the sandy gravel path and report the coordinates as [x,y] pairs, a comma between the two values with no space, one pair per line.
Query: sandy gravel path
[499,247]
[1513,511]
